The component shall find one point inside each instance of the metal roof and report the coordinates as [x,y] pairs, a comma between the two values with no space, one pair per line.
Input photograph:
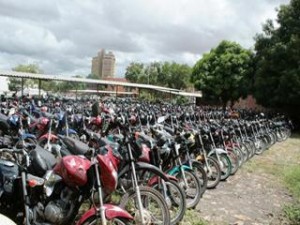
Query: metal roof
[102,92]
[94,81]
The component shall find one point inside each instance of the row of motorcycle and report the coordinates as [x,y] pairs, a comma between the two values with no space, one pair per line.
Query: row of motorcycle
[120,162]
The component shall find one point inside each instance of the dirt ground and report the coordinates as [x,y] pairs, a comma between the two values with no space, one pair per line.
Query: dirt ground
[254,195]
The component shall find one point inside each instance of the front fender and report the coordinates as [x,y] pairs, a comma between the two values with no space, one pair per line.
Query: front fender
[70,131]
[177,168]
[111,211]
[154,180]
[26,135]
[144,166]
[46,136]
[218,151]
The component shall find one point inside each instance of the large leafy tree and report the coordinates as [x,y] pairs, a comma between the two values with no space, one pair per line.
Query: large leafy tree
[277,79]
[221,73]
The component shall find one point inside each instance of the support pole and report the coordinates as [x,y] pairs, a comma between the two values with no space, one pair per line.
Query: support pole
[117,91]
[22,87]
[40,85]
[76,91]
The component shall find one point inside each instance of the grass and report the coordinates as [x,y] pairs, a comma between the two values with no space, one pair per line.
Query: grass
[283,162]
[291,177]
[292,213]
[192,218]
[292,182]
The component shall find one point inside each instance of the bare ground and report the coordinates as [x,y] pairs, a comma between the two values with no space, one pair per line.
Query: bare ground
[246,198]
[255,195]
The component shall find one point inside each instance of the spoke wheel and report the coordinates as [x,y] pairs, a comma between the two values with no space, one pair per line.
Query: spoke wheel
[155,209]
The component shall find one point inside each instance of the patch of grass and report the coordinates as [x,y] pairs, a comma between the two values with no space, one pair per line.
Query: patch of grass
[263,164]
[291,177]
[192,218]
[292,212]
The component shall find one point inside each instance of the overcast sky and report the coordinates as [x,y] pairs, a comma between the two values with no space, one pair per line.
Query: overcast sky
[62,36]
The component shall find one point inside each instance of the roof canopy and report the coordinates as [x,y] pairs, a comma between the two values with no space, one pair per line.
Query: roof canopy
[94,81]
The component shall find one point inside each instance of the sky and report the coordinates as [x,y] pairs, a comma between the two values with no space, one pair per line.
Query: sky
[62,36]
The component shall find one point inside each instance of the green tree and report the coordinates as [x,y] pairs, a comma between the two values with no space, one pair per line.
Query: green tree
[16,83]
[134,72]
[167,74]
[221,73]
[49,85]
[277,78]
[179,76]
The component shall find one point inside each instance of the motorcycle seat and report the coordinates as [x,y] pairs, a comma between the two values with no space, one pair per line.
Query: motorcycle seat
[76,147]
[41,161]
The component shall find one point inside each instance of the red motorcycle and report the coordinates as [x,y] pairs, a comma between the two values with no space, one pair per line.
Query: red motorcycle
[42,127]
[57,196]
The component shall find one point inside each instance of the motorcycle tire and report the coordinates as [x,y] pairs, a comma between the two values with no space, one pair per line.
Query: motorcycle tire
[158,206]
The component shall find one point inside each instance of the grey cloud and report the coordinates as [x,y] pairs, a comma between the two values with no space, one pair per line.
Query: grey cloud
[62,36]
[34,10]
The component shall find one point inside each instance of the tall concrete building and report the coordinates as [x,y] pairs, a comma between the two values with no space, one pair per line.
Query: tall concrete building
[103,65]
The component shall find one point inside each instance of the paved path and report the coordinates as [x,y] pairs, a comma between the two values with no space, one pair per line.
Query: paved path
[245,198]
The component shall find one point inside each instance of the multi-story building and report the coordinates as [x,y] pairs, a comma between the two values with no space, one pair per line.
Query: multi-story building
[103,65]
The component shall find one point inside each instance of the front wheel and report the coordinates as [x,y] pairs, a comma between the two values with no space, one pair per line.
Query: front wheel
[191,186]
[175,199]
[201,175]
[115,221]
[225,165]
[235,160]
[213,172]
[155,209]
